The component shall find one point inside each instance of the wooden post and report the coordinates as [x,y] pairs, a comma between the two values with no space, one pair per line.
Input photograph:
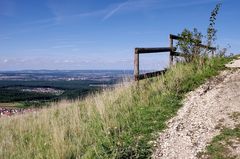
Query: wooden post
[171,51]
[136,64]
[213,52]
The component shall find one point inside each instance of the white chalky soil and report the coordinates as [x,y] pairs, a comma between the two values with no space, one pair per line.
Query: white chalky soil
[198,120]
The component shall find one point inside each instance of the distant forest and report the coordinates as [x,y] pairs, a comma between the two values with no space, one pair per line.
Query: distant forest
[11,91]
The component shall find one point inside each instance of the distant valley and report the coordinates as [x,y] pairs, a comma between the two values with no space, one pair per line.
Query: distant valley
[39,87]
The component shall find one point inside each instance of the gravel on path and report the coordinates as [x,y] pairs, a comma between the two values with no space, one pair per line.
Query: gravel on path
[199,120]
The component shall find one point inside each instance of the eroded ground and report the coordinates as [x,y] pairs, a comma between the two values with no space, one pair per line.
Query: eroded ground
[206,112]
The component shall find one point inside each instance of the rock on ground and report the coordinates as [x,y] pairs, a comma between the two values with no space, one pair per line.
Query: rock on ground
[204,112]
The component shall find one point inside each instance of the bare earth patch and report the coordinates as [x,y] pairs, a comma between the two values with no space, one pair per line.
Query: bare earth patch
[205,112]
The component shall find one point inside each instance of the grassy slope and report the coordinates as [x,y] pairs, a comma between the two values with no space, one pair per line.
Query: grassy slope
[118,123]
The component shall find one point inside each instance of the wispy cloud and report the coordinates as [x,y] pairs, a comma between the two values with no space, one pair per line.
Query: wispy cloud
[5,60]
[71,10]
[61,13]
[115,10]
[63,46]
[7,7]
[138,5]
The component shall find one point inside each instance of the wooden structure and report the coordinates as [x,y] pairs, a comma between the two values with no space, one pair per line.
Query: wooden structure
[138,51]
[198,43]
[172,52]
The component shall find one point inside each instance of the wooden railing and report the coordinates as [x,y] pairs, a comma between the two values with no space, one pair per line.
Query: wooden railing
[138,51]
[171,50]
[198,43]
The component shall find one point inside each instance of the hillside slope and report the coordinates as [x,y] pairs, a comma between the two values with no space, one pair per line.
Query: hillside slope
[205,112]
[120,122]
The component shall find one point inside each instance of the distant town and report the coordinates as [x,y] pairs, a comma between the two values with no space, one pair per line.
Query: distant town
[34,88]
[66,75]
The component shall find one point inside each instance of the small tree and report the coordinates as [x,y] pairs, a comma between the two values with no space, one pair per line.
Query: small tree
[211,31]
[189,44]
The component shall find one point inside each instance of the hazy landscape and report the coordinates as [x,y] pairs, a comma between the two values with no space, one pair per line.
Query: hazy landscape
[38,87]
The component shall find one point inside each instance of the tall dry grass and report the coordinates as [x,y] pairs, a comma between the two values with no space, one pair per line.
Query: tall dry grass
[116,123]
[67,129]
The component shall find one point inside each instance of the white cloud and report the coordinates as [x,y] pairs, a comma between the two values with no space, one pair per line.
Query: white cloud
[5,60]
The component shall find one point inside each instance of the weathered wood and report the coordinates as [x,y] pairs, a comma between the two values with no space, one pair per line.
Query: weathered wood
[149,75]
[170,49]
[206,47]
[153,50]
[213,51]
[175,37]
[174,53]
[171,52]
[136,64]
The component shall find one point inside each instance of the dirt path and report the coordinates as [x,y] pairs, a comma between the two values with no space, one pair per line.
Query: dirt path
[206,110]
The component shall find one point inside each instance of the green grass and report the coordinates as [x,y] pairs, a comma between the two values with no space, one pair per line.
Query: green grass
[116,123]
[221,145]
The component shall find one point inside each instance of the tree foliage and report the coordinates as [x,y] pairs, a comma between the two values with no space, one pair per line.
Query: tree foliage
[189,44]
[211,31]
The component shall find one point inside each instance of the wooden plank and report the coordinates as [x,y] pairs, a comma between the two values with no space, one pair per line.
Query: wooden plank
[136,63]
[175,37]
[153,50]
[149,75]
[206,47]
[176,53]
[171,52]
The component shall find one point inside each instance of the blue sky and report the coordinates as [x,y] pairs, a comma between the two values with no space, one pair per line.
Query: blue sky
[102,34]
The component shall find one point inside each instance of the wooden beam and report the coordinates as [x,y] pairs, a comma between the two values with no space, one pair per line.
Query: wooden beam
[213,53]
[198,42]
[149,75]
[175,37]
[174,53]
[153,50]
[136,63]
[171,52]
[206,47]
